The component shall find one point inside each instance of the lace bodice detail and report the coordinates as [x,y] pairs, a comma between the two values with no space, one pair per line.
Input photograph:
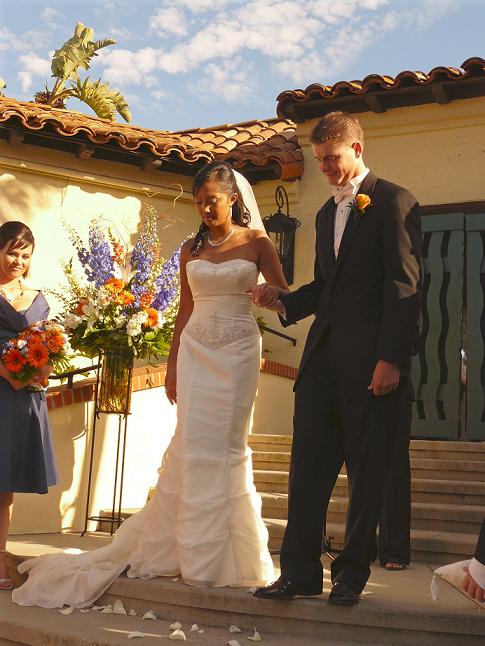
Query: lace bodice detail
[222,311]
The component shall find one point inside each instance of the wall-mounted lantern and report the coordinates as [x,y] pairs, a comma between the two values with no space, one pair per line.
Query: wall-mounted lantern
[281,229]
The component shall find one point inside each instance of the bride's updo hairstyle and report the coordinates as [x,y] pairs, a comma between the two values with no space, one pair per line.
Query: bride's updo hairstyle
[220,173]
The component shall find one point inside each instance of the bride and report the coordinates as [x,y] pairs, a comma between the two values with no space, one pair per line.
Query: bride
[204,519]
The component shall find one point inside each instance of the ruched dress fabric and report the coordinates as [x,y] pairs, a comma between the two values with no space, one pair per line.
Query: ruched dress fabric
[204,520]
[26,455]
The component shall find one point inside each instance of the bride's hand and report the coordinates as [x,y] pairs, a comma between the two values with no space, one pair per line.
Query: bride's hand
[171,386]
[265,295]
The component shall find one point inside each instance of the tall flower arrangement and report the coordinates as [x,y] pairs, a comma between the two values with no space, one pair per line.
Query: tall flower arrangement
[125,299]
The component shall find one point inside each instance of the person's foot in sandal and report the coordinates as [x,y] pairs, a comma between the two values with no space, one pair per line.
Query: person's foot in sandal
[395,566]
[6,582]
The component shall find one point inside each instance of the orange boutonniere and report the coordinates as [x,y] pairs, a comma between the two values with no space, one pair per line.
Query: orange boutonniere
[362,203]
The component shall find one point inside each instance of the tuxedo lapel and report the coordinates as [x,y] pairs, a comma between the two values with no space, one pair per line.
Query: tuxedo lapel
[354,219]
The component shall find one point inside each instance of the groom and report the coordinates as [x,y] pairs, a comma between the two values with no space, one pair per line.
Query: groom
[354,373]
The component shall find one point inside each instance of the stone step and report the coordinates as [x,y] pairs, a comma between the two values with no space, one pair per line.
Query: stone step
[429,516]
[470,470]
[427,546]
[389,613]
[439,449]
[455,492]
[376,620]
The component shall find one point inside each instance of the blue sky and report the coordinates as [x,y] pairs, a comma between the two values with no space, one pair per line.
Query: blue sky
[195,63]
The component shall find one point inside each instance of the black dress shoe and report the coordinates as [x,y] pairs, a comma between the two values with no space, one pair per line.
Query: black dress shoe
[286,589]
[342,595]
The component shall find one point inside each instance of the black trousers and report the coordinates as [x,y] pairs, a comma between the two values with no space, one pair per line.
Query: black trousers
[331,428]
[395,517]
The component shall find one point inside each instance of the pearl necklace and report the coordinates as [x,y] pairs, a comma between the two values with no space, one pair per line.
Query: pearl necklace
[219,242]
[13,297]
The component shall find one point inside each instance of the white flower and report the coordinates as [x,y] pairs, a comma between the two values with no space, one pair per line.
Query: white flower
[103,297]
[119,321]
[71,321]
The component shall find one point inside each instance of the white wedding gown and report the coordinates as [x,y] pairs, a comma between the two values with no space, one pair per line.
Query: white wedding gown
[204,519]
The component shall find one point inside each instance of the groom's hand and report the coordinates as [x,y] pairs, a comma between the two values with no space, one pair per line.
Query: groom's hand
[265,295]
[385,378]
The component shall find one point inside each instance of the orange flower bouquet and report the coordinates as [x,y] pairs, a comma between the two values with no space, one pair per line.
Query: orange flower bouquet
[41,344]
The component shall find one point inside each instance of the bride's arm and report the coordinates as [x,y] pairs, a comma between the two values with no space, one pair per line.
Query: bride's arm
[267,294]
[185,310]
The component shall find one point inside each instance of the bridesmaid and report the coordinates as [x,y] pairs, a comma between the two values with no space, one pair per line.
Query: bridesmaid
[26,457]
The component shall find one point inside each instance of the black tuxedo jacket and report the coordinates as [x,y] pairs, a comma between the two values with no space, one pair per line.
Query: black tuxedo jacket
[480,549]
[370,295]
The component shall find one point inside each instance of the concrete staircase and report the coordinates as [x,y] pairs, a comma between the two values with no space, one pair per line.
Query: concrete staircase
[448,495]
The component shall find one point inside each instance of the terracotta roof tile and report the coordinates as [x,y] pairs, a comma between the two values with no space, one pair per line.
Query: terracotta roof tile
[377,84]
[256,143]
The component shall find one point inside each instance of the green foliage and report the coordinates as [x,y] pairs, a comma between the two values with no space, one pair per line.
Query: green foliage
[76,54]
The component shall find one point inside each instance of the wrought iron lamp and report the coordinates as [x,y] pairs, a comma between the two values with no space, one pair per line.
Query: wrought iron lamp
[281,229]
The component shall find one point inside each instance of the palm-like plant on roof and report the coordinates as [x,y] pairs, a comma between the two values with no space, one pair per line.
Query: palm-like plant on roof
[76,54]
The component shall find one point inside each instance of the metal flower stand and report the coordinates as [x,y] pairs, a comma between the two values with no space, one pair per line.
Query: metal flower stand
[112,397]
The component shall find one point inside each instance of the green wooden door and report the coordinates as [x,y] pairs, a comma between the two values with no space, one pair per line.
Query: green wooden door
[475,327]
[436,368]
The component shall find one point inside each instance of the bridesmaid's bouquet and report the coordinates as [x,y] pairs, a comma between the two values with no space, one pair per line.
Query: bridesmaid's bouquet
[43,344]
[123,298]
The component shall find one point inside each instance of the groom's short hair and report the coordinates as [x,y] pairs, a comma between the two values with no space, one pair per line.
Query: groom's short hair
[336,127]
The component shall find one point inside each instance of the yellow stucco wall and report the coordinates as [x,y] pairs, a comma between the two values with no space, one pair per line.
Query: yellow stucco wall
[436,151]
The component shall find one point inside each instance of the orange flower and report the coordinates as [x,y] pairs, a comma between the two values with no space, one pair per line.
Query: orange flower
[35,338]
[13,361]
[54,344]
[38,355]
[118,253]
[146,299]
[152,319]
[362,201]
[125,298]
[78,310]
[114,285]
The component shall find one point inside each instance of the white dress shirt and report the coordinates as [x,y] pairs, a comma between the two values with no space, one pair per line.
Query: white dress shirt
[349,192]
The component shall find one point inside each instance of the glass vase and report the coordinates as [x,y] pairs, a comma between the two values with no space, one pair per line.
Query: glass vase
[114,388]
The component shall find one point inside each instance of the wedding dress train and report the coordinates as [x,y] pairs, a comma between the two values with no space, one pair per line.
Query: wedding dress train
[204,519]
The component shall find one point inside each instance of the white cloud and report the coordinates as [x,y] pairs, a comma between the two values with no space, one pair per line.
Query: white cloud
[120,34]
[158,94]
[36,65]
[51,17]
[25,79]
[124,67]
[230,80]
[168,20]
[33,67]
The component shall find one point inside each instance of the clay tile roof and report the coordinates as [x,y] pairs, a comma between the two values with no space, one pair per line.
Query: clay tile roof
[378,93]
[255,143]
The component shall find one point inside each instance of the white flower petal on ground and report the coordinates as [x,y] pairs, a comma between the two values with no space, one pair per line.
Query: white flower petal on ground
[135,634]
[233,642]
[201,631]
[133,613]
[107,610]
[67,611]
[256,637]
[98,608]
[251,590]
[234,629]
[175,626]
[84,610]
[178,635]
[119,608]
[194,628]
[150,615]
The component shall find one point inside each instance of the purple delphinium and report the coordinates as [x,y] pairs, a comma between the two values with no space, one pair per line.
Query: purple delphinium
[98,265]
[166,284]
[141,264]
